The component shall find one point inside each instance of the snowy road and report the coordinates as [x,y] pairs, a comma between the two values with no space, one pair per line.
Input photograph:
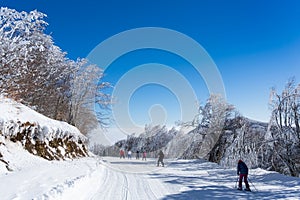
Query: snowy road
[111,178]
[123,179]
[129,179]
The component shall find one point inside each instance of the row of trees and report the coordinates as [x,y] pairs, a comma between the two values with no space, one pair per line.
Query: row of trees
[282,140]
[38,73]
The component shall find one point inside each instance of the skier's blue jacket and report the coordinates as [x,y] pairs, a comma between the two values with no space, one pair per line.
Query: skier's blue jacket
[242,168]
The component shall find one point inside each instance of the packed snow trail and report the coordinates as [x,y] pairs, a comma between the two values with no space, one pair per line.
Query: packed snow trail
[187,179]
[129,179]
[110,178]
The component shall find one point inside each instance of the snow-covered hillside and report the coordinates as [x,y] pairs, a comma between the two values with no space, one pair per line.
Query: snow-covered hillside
[37,134]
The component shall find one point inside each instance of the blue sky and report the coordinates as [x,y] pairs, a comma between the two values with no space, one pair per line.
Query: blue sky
[255,44]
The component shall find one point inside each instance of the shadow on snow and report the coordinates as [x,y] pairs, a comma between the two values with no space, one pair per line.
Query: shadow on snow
[210,181]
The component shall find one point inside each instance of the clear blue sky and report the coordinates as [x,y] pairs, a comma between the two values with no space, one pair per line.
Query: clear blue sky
[255,44]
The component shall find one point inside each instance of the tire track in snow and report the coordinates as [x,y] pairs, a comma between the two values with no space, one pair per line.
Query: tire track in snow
[103,184]
[129,180]
[125,187]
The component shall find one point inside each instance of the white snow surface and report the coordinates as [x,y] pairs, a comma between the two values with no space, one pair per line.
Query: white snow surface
[13,112]
[114,178]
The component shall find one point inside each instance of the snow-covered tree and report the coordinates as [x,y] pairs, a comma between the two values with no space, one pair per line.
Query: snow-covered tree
[36,72]
[88,99]
[213,116]
[154,138]
[285,128]
[30,62]
[209,122]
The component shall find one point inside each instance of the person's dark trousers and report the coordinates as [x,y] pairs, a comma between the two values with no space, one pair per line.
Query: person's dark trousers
[160,161]
[245,177]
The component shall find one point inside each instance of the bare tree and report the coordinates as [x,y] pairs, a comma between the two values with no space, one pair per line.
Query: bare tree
[285,127]
[89,101]
[209,122]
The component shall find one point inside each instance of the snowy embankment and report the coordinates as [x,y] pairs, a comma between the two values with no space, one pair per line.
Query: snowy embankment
[36,178]
[39,135]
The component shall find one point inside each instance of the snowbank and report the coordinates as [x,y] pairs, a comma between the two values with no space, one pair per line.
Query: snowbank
[16,113]
[40,135]
[36,178]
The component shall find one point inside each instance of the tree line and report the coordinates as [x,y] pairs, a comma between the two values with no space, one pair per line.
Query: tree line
[282,138]
[37,73]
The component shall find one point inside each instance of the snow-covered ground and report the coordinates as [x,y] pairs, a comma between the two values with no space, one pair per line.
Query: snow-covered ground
[114,178]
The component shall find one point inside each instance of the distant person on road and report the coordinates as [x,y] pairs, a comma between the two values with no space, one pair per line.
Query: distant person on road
[144,156]
[137,156]
[122,154]
[242,171]
[129,154]
[160,158]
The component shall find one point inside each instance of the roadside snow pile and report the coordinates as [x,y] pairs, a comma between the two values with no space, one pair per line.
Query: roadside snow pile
[36,178]
[41,136]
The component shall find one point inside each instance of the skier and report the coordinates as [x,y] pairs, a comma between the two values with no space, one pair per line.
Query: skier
[129,154]
[137,156]
[242,171]
[160,158]
[122,154]
[144,155]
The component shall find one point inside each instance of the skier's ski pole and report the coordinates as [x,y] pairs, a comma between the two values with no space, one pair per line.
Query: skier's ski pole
[252,184]
[236,182]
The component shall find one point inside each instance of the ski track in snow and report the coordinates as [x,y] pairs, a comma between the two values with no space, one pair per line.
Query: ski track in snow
[129,179]
[186,179]
[112,178]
